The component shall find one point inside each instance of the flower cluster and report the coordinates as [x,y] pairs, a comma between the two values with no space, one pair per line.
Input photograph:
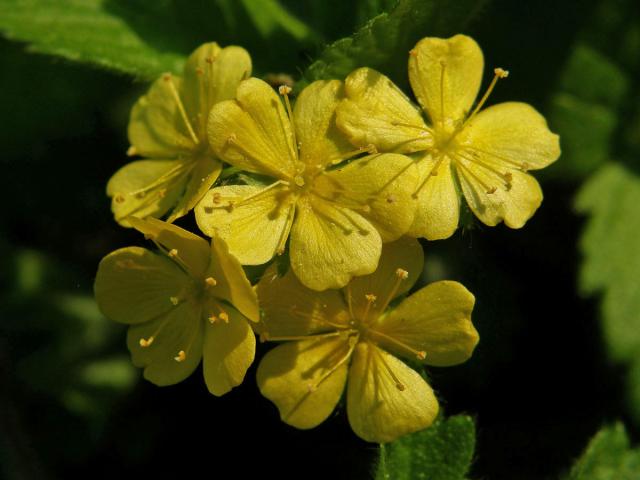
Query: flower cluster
[341,183]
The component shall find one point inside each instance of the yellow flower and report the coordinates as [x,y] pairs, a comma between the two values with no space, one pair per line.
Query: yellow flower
[187,302]
[485,154]
[337,218]
[168,127]
[351,333]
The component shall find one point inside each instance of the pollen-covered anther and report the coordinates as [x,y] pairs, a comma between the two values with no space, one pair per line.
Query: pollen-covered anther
[508,177]
[263,337]
[132,151]
[173,253]
[391,199]
[413,52]
[402,274]
[199,71]
[174,300]
[145,342]
[501,73]
[312,387]
[370,297]
[119,198]
[224,317]
[181,357]
[421,355]
[216,198]
[212,319]
[371,149]
[284,89]
[400,386]
[524,166]
[166,77]
[162,193]
[209,60]
[210,282]
[492,190]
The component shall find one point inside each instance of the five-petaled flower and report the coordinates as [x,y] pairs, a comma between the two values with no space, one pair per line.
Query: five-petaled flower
[188,302]
[485,154]
[168,127]
[351,337]
[337,218]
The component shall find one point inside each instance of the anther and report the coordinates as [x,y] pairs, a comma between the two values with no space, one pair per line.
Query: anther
[413,52]
[498,73]
[402,274]
[210,281]
[182,356]
[224,317]
[492,190]
[119,198]
[501,72]
[213,319]
[162,193]
[199,71]
[216,198]
[370,297]
[173,253]
[391,199]
[132,151]
[284,89]
[311,387]
[400,387]
[144,343]
[209,60]
[174,300]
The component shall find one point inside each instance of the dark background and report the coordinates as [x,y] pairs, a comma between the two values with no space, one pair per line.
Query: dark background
[539,384]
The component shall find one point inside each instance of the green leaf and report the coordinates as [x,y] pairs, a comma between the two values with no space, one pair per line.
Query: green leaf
[607,457]
[93,31]
[384,42]
[585,114]
[611,262]
[268,16]
[443,451]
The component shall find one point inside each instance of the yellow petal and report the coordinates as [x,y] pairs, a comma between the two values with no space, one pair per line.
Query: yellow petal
[377,112]
[211,75]
[331,244]
[232,283]
[134,285]
[157,129]
[257,224]
[378,410]
[514,204]
[205,172]
[438,208]
[445,75]
[189,251]
[253,132]
[146,188]
[387,282]
[288,373]
[511,135]
[379,187]
[291,309]
[180,330]
[436,320]
[315,121]
[229,349]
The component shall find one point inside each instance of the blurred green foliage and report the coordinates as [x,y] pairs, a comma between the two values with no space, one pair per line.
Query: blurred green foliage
[608,457]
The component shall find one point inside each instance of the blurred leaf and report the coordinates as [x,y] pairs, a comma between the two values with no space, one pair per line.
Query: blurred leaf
[443,451]
[269,16]
[611,249]
[87,31]
[607,457]
[384,42]
[585,113]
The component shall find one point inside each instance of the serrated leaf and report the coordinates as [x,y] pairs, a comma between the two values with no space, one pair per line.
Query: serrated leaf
[443,451]
[585,114]
[92,31]
[611,249]
[384,42]
[607,457]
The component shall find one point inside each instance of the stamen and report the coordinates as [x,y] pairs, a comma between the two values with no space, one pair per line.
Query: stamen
[498,73]
[353,341]
[282,243]
[163,179]
[285,90]
[432,173]
[231,204]
[419,354]
[350,301]
[399,385]
[269,338]
[370,149]
[182,356]
[400,276]
[144,343]
[210,282]
[443,65]
[422,128]
[169,79]
[371,298]
[506,178]
[173,254]
[464,168]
